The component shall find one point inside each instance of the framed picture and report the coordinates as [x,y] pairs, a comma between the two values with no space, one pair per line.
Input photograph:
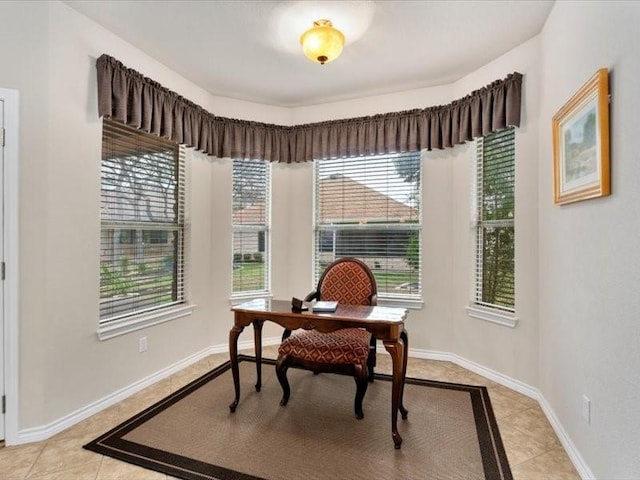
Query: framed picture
[581,143]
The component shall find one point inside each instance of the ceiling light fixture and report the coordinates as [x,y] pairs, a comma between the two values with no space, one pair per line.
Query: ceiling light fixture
[322,43]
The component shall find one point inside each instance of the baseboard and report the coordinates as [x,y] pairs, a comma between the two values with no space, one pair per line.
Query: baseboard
[497,377]
[578,462]
[574,455]
[37,434]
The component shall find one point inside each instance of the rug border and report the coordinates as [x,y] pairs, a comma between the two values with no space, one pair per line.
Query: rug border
[178,465]
[494,459]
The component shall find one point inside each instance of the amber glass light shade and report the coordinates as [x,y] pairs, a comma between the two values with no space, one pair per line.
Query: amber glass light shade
[322,43]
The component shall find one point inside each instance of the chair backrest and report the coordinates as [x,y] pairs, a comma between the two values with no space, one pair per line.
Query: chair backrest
[348,281]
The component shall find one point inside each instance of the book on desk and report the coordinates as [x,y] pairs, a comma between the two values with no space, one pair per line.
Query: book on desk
[324,307]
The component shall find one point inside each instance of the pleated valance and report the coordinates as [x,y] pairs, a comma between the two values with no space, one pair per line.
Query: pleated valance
[127,96]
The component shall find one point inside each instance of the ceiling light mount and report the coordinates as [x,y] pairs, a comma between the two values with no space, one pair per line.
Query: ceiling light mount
[322,43]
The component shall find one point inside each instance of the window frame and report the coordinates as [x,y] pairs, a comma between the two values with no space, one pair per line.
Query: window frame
[478,308]
[119,324]
[411,301]
[263,233]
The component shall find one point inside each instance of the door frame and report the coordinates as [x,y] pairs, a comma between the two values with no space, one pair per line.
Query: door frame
[10,234]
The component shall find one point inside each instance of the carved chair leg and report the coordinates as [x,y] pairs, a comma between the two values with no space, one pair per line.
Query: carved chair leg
[361,377]
[281,372]
[371,363]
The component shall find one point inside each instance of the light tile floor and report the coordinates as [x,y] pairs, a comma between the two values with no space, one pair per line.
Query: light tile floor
[534,450]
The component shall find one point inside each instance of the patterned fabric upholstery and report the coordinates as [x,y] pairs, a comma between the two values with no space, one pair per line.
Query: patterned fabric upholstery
[350,345]
[347,283]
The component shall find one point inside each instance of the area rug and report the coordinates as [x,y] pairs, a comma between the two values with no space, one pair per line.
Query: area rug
[451,431]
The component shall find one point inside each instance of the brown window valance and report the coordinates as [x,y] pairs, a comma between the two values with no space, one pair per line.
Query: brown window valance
[129,97]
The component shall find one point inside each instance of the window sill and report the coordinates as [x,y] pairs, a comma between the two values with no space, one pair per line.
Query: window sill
[245,297]
[492,315]
[131,324]
[410,303]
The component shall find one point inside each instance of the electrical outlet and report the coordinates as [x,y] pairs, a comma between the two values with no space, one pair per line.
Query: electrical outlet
[142,344]
[586,408]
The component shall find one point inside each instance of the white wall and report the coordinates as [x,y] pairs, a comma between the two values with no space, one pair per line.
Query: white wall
[589,260]
[576,265]
[510,351]
[25,68]
[49,52]
[443,325]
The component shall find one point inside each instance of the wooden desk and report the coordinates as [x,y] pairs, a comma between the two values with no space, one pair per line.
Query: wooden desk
[387,324]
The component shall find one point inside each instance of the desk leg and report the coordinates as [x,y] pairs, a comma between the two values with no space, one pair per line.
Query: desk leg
[235,369]
[404,336]
[395,349]
[257,340]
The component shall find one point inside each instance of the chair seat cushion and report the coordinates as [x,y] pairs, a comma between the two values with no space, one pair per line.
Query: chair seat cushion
[349,345]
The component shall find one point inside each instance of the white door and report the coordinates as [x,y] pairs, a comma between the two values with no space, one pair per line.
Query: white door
[2,406]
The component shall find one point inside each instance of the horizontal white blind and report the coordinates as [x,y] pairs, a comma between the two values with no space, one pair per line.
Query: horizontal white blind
[369,208]
[250,218]
[142,222]
[495,275]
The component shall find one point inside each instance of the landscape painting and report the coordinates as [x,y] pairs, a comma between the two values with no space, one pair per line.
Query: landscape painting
[581,143]
[580,155]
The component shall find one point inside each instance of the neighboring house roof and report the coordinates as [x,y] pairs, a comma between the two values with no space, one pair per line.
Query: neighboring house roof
[254,214]
[367,205]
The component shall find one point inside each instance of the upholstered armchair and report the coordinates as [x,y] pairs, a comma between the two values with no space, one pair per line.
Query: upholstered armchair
[351,350]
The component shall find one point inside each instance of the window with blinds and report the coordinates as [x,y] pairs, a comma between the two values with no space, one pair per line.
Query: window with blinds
[369,208]
[251,197]
[142,222]
[495,233]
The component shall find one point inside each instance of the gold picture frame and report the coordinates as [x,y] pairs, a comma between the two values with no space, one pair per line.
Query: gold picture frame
[581,143]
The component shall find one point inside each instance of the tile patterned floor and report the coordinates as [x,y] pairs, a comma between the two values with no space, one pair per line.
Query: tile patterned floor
[534,451]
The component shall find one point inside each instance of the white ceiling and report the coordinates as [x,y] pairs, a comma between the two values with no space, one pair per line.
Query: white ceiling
[250,50]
